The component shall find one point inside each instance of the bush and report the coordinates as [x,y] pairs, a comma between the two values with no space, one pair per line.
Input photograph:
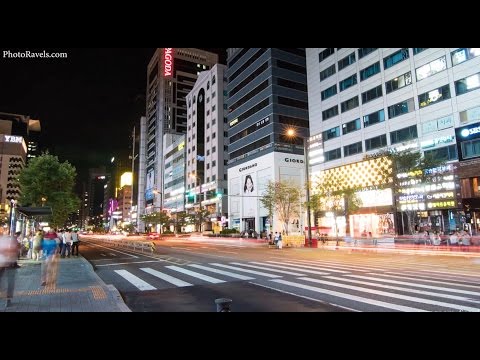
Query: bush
[168,232]
[229,231]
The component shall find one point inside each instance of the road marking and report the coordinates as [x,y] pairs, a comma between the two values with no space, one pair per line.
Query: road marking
[222,272]
[393,295]
[128,263]
[415,291]
[227,252]
[303,296]
[166,277]
[246,270]
[309,266]
[291,268]
[135,280]
[269,269]
[181,248]
[112,254]
[417,285]
[424,280]
[195,274]
[350,297]
[121,252]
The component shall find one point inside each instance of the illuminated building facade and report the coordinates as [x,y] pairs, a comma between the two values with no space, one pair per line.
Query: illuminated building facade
[206,145]
[365,100]
[267,95]
[171,74]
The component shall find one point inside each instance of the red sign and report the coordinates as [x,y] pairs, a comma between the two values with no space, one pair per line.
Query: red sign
[168,62]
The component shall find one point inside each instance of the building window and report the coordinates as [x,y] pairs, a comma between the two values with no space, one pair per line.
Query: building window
[372,94]
[213,80]
[431,68]
[362,52]
[351,126]
[208,179]
[445,153]
[346,83]
[214,149]
[214,163]
[208,112]
[208,167]
[213,108]
[398,82]
[327,72]
[214,177]
[349,104]
[461,55]
[208,138]
[370,71]
[327,114]
[470,148]
[333,154]
[467,84]
[194,99]
[208,99]
[331,133]
[325,53]
[214,121]
[193,136]
[374,118]
[208,85]
[347,60]
[214,135]
[418,50]
[401,108]
[395,58]
[208,152]
[376,142]
[434,96]
[405,134]
[208,125]
[352,149]
[332,90]
[214,94]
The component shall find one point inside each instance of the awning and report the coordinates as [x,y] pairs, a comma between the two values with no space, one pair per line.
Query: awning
[34,211]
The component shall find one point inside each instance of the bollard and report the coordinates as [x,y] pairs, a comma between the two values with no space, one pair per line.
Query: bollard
[223,305]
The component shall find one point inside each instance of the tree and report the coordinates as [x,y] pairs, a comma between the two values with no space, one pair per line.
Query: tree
[47,182]
[415,165]
[156,218]
[283,197]
[198,217]
[179,221]
[335,193]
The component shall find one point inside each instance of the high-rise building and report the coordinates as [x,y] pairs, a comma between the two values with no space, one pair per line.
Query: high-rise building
[267,96]
[206,142]
[171,74]
[367,99]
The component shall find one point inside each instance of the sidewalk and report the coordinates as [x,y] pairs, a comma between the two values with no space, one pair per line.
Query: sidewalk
[77,289]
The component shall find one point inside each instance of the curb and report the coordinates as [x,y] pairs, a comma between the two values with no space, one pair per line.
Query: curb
[112,289]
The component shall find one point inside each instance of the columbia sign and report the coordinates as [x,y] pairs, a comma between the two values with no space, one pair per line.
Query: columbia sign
[168,62]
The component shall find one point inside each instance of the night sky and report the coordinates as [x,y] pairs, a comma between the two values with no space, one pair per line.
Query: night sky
[87,103]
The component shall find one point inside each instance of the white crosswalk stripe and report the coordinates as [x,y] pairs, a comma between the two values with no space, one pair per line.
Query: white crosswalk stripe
[310,266]
[195,274]
[269,269]
[135,280]
[350,297]
[291,267]
[221,272]
[246,270]
[166,277]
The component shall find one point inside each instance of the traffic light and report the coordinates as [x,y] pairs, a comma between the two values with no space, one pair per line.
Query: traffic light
[219,193]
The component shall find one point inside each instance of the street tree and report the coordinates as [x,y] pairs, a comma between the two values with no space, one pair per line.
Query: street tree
[47,182]
[156,218]
[335,193]
[198,217]
[415,165]
[283,198]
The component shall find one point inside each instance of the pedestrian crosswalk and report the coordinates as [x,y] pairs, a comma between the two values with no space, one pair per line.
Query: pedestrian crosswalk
[360,286]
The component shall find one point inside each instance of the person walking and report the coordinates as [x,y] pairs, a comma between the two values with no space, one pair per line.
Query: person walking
[9,248]
[37,245]
[49,247]
[279,243]
[75,242]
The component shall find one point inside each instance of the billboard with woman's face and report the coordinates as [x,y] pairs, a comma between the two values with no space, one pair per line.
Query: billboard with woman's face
[249,195]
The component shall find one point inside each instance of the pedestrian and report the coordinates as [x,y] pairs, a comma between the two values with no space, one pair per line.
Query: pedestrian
[75,242]
[279,242]
[37,245]
[9,248]
[49,265]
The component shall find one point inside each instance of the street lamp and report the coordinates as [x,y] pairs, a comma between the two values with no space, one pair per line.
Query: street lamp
[291,133]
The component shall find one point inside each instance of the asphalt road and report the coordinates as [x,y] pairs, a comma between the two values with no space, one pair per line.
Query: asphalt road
[189,274]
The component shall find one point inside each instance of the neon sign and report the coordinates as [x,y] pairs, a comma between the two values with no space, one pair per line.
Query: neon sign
[13,139]
[468,132]
[168,62]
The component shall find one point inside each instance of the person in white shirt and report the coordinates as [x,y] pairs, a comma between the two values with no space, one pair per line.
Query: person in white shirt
[67,243]
[454,239]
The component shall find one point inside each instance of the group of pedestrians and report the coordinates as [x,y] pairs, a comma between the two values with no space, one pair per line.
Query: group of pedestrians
[66,244]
